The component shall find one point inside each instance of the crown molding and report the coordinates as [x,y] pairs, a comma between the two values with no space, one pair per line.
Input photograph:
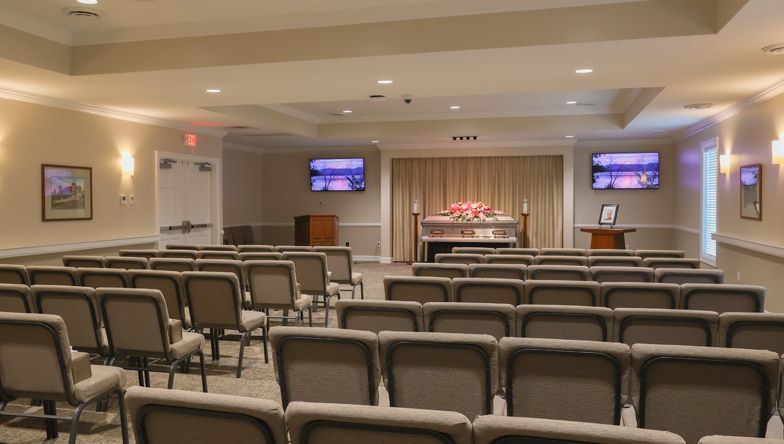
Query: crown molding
[20,96]
[470,145]
[244,148]
[35,27]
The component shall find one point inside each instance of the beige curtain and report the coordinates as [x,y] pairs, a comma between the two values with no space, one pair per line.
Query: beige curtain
[501,182]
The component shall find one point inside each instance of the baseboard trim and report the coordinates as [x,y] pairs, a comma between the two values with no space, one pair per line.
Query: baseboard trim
[362,258]
[77,246]
[772,250]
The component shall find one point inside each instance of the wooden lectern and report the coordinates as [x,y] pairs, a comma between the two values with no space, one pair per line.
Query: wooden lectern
[608,238]
[318,230]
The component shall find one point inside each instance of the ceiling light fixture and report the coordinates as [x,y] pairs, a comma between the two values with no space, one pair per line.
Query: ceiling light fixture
[375,141]
[385,82]
[347,111]
[569,137]
[87,2]
[213,91]
[571,102]
[703,105]
[454,107]
[583,70]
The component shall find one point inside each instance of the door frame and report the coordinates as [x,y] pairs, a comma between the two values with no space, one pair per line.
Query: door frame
[216,189]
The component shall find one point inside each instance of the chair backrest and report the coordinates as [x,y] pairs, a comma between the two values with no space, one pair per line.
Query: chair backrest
[723,297]
[609,252]
[311,268]
[761,331]
[189,247]
[686,276]
[173,264]
[564,322]
[622,274]
[559,272]
[718,439]
[378,316]
[78,307]
[224,266]
[450,271]
[13,274]
[256,248]
[102,277]
[273,284]
[339,262]
[420,289]
[16,298]
[518,251]
[326,365]
[211,247]
[83,261]
[640,295]
[239,235]
[45,275]
[496,320]
[168,283]
[147,254]
[214,299]
[558,379]
[261,256]
[661,262]
[288,248]
[459,258]
[484,290]
[493,429]
[316,423]
[497,271]
[179,254]
[614,261]
[158,415]
[126,262]
[552,292]
[700,391]
[440,371]
[547,259]
[519,259]
[218,255]
[562,251]
[666,326]
[645,254]
[136,320]
[473,250]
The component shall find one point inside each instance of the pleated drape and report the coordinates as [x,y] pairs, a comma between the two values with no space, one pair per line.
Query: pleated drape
[501,182]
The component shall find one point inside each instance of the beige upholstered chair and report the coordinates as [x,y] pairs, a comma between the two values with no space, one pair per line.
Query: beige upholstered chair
[547,259]
[562,292]
[218,255]
[326,365]
[614,261]
[572,380]
[564,322]
[179,254]
[211,247]
[13,274]
[761,331]
[102,277]
[563,251]
[496,320]
[622,274]
[189,247]
[147,254]
[640,295]
[378,316]
[450,271]
[261,256]
[717,439]
[340,262]
[420,289]
[169,416]
[609,252]
[16,298]
[78,307]
[170,286]
[83,261]
[645,254]
[484,290]
[660,262]
[138,326]
[687,276]
[256,248]
[315,423]
[440,371]
[665,326]
[517,259]
[701,391]
[227,266]
[723,297]
[273,285]
[497,271]
[173,264]
[473,250]
[126,262]
[313,277]
[215,302]
[44,368]
[559,272]
[459,258]
[518,251]
[293,248]
[45,275]
[492,429]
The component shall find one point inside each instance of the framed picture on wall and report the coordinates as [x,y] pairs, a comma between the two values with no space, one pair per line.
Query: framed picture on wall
[608,214]
[751,191]
[66,193]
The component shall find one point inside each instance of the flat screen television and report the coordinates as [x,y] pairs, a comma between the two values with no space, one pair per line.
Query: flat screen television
[347,174]
[625,171]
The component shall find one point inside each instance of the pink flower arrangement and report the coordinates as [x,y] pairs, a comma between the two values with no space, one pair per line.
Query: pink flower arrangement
[470,212]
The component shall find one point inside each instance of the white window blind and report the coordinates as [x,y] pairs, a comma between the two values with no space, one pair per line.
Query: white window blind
[710,169]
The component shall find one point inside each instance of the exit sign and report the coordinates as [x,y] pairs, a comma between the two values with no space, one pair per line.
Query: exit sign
[190,140]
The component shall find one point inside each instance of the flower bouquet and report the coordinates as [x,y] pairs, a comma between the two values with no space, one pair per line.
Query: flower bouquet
[469,212]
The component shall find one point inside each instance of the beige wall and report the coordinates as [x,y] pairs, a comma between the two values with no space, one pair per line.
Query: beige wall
[243,187]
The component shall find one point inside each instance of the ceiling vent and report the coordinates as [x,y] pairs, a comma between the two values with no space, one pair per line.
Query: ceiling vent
[86,13]
[377,97]
[775,49]
[698,105]
[464,138]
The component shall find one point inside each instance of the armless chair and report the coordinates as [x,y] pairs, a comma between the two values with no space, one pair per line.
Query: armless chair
[126,262]
[313,278]
[483,290]
[261,256]
[227,266]
[660,262]
[640,295]
[420,289]
[565,322]
[563,252]
[147,254]
[761,331]
[340,262]
[723,298]
[83,261]
[496,320]
[611,273]
[179,254]
[45,275]
[550,259]
[559,272]
[518,251]
[170,286]
[219,255]
[43,367]
[518,259]
[666,326]
[215,302]
[173,264]
[688,276]
[718,439]
[450,271]
[645,254]
[256,249]
[102,277]
[473,250]
[614,261]
[273,286]
[138,326]
[609,252]
[16,298]
[562,292]
[498,271]
[379,316]
[13,274]
[459,258]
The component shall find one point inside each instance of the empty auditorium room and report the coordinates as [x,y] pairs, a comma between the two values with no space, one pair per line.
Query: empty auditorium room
[392,221]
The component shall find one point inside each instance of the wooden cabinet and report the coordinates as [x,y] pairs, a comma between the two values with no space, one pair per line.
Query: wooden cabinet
[318,230]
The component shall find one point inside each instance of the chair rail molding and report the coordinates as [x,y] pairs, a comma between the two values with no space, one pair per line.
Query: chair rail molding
[760,247]
[77,246]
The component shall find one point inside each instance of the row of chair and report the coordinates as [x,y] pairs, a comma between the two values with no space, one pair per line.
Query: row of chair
[590,261]
[245,248]
[688,390]
[569,252]
[712,297]
[570,273]
[762,331]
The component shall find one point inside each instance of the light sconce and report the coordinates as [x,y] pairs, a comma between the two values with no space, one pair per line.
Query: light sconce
[778,152]
[128,164]
[724,163]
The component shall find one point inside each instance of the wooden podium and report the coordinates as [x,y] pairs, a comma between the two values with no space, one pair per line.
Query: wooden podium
[318,230]
[608,238]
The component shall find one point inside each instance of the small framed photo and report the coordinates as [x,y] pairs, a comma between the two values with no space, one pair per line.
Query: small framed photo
[66,193]
[609,214]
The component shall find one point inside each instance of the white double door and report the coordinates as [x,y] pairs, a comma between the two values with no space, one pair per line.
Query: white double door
[185,201]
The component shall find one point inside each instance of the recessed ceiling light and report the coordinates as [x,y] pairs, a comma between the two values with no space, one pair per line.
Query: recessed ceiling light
[347,111]
[583,70]
[213,90]
[454,107]
[375,141]
[569,137]
[704,105]
[571,102]
[385,82]
[87,2]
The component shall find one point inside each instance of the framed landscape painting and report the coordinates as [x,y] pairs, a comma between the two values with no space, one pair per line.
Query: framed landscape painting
[66,193]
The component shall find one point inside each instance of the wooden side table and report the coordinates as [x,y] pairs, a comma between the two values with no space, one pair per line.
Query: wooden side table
[608,238]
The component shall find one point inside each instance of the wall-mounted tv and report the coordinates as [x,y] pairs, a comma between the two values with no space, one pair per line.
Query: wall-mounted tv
[625,171]
[337,174]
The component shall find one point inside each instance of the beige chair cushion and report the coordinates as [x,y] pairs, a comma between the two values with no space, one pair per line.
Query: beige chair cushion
[551,292]
[518,251]
[559,272]
[621,274]
[103,379]
[356,278]
[659,253]
[333,289]
[375,316]
[304,301]
[665,326]
[715,439]
[723,297]
[561,260]
[640,295]
[498,271]
[16,298]
[609,252]
[562,251]
[420,289]
[486,290]
[189,344]
[761,331]
[450,271]
[564,322]
[687,276]
[614,261]
[496,320]
[513,259]
[251,320]
[459,258]
[80,366]
[13,274]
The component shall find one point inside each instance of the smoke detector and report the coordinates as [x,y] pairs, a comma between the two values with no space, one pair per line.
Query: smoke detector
[87,13]
[775,49]
[698,105]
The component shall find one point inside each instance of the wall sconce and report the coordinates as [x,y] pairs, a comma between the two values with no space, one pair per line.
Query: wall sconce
[724,163]
[128,164]
[778,152]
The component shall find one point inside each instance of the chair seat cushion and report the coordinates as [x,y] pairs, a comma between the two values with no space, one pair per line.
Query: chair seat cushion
[304,301]
[252,320]
[190,343]
[103,379]
[80,366]
[356,278]
[333,289]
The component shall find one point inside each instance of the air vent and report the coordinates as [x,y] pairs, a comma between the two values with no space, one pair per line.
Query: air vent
[85,13]
[337,114]
[377,97]
[776,49]
[464,138]
[704,105]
